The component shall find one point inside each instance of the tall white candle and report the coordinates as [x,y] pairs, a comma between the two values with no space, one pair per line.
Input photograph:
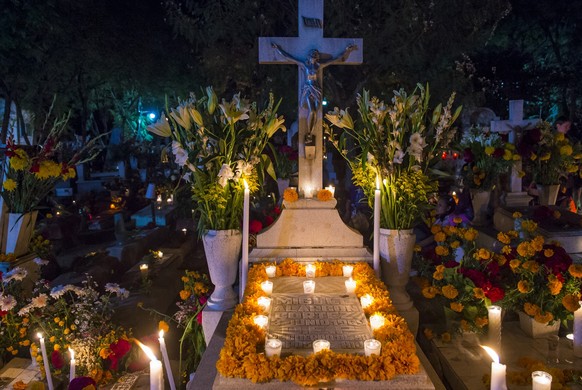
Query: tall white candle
[156,371]
[577,332]
[245,241]
[47,369]
[494,330]
[497,371]
[377,207]
[541,380]
[72,364]
[166,360]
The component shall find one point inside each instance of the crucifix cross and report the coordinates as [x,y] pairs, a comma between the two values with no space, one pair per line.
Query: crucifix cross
[311,52]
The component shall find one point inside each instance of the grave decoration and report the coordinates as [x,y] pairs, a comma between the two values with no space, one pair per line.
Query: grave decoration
[243,354]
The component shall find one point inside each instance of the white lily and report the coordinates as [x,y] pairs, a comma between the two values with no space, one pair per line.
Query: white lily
[225,175]
[161,128]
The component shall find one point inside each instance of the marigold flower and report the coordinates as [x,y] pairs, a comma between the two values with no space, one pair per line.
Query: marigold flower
[530,309]
[437,275]
[478,293]
[503,238]
[575,270]
[514,264]
[517,214]
[434,229]
[554,285]
[571,302]
[531,265]
[163,325]
[455,244]
[457,306]
[324,195]
[290,195]
[548,252]
[484,254]
[429,292]
[440,237]
[481,321]
[544,318]
[184,294]
[446,337]
[471,234]
[185,279]
[428,333]
[523,286]
[441,250]
[506,250]
[449,291]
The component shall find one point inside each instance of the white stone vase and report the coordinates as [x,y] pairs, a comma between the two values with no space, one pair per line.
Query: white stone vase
[534,329]
[17,232]
[480,201]
[282,185]
[547,195]
[396,250]
[222,249]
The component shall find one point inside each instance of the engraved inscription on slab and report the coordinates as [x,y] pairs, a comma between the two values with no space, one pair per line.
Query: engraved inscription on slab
[299,319]
[312,22]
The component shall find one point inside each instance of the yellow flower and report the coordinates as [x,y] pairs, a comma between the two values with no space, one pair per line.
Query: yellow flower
[9,185]
[530,309]
[184,294]
[503,238]
[489,150]
[481,321]
[544,318]
[546,156]
[290,195]
[185,279]
[531,266]
[523,286]
[440,237]
[566,150]
[478,293]
[56,347]
[163,325]
[429,292]
[450,292]
[455,244]
[483,254]
[435,229]
[559,137]
[441,250]
[554,285]
[52,339]
[470,234]
[57,320]
[506,250]
[61,323]
[67,331]
[517,214]
[575,270]
[428,333]
[571,302]
[457,306]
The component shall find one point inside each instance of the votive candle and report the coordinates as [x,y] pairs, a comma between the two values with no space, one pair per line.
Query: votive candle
[309,287]
[308,192]
[350,286]
[273,347]
[261,321]
[347,270]
[72,364]
[320,345]
[497,370]
[47,369]
[577,332]
[264,303]
[376,321]
[372,347]
[271,271]
[310,271]
[144,269]
[267,287]
[366,300]
[331,189]
[541,380]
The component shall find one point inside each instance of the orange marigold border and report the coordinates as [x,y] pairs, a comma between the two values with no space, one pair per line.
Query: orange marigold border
[243,353]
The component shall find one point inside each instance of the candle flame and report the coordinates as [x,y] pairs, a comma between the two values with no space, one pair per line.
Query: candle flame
[491,353]
[72,354]
[147,350]
[377,182]
[39,335]
[246,184]
[161,333]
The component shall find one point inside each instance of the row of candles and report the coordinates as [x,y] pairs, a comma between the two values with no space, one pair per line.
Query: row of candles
[273,347]
[308,191]
[156,371]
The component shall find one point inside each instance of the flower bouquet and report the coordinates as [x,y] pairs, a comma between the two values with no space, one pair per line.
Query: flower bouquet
[218,145]
[486,156]
[464,275]
[544,283]
[13,328]
[394,147]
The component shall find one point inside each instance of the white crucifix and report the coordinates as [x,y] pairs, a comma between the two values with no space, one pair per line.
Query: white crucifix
[311,52]
[512,127]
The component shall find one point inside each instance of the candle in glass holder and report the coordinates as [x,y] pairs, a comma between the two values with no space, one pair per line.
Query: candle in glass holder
[271,271]
[144,269]
[347,270]
[376,321]
[273,347]
[264,303]
[372,347]
[541,380]
[331,189]
[350,286]
[310,271]
[366,300]
[320,345]
[309,287]
[261,321]
[267,287]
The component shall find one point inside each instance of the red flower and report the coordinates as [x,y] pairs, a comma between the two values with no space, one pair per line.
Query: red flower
[255,226]
[35,167]
[118,351]
[57,360]
[202,301]
[468,156]
[494,293]
[268,220]
[477,277]
[82,382]
[277,210]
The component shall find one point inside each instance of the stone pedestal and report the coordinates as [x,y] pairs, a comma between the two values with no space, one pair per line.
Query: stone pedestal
[210,320]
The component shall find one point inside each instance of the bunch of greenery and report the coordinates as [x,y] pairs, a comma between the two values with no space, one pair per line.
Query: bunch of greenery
[394,147]
[219,145]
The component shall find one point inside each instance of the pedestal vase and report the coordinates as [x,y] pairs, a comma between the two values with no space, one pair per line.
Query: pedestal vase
[222,249]
[396,250]
[548,194]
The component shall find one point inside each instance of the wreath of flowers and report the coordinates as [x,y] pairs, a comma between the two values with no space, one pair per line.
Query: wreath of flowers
[243,353]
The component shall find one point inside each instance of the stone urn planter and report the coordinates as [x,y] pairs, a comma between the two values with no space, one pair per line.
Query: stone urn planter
[480,202]
[222,249]
[396,250]
[536,330]
[547,195]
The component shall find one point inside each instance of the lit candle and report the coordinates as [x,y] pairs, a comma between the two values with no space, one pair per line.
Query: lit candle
[377,206]
[497,371]
[156,371]
[331,189]
[347,270]
[264,303]
[143,269]
[577,332]
[372,347]
[169,201]
[273,347]
[159,199]
[309,287]
[494,330]
[320,345]
[261,321]
[376,321]
[308,191]
[366,300]
[267,287]
[541,380]
[350,286]
[245,240]
[310,271]
[166,360]
[45,361]
[184,231]
[271,271]
[72,365]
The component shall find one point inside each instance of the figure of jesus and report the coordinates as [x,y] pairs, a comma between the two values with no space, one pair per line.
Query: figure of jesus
[311,92]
